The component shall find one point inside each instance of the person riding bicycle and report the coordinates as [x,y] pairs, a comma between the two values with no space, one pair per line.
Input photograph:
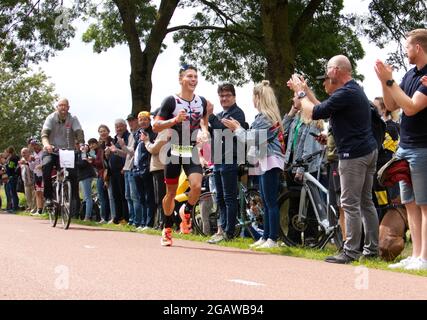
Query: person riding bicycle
[60,130]
[185,113]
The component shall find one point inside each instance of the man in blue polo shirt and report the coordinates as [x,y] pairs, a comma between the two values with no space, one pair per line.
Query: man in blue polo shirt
[349,113]
[411,97]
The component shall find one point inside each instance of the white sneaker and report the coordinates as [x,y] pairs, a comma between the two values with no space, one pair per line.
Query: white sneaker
[140,228]
[402,263]
[146,228]
[260,241]
[268,244]
[417,264]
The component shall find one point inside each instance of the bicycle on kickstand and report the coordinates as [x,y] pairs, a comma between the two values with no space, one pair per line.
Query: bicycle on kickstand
[61,204]
[250,213]
[306,219]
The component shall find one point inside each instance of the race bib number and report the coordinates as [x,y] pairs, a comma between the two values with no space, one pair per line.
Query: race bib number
[66,159]
[182,151]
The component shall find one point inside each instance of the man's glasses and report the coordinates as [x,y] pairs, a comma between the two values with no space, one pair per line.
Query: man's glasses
[225,96]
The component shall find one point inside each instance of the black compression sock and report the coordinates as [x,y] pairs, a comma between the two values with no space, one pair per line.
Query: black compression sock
[188,207]
[168,221]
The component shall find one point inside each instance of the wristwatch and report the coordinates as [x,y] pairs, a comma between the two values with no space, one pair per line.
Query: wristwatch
[389,83]
[301,94]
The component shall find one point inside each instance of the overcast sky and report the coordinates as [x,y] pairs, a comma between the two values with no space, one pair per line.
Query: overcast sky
[97,85]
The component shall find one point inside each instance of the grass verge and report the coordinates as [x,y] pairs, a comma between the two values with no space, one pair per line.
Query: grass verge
[243,243]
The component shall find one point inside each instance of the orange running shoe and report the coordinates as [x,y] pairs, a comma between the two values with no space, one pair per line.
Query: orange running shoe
[166,239]
[185,225]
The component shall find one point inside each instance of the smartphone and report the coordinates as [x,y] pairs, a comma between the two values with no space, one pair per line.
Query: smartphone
[314,134]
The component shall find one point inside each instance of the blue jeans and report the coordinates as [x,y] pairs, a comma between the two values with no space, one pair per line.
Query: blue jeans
[145,188]
[269,184]
[128,181]
[11,194]
[102,198]
[226,195]
[417,159]
[135,198]
[86,186]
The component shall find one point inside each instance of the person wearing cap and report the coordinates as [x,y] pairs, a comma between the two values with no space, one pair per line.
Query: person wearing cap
[411,97]
[349,112]
[141,171]
[184,113]
[60,130]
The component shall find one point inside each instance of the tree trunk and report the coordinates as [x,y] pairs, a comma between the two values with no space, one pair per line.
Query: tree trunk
[280,52]
[281,44]
[142,62]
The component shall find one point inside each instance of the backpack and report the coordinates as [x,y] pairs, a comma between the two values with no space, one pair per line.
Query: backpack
[378,127]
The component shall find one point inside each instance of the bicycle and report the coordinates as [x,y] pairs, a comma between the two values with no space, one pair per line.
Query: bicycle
[61,202]
[314,222]
[250,214]
[96,215]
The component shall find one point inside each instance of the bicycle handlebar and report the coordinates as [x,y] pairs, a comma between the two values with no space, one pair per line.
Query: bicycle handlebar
[301,162]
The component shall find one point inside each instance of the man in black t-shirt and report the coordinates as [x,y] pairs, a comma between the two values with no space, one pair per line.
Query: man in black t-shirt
[411,97]
[185,115]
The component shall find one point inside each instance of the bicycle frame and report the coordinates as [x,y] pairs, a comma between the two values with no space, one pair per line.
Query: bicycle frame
[302,211]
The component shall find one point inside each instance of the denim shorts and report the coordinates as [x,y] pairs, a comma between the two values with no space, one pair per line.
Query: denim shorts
[417,159]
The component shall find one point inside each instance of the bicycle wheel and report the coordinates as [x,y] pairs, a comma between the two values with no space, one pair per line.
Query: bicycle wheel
[205,215]
[334,221]
[253,214]
[52,211]
[295,231]
[66,204]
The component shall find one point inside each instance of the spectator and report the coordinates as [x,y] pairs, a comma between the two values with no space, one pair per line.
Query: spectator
[270,163]
[36,168]
[105,181]
[127,151]
[411,97]
[11,166]
[157,170]
[301,144]
[28,180]
[97,155]
[226,169]
[142,173]
[350,116]
[116,163]
[85,175]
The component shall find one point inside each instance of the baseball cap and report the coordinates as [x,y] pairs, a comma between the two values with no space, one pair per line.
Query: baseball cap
[131,116]
[145,114]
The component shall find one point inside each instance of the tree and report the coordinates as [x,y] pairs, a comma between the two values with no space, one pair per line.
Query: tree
[257,39]
[33,30]
[26,99]
[389,21]
[133,23]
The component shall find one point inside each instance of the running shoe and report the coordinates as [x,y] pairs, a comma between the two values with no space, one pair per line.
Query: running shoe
[166,239]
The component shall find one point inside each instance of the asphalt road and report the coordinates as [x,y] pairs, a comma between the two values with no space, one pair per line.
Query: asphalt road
[41,262]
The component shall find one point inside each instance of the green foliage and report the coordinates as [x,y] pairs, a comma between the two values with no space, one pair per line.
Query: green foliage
[234,51]
[389,21]
[107,30]
[26,99]
[31,31]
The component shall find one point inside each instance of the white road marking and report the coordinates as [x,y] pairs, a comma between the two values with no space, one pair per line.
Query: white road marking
[247,283]
[90,247]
